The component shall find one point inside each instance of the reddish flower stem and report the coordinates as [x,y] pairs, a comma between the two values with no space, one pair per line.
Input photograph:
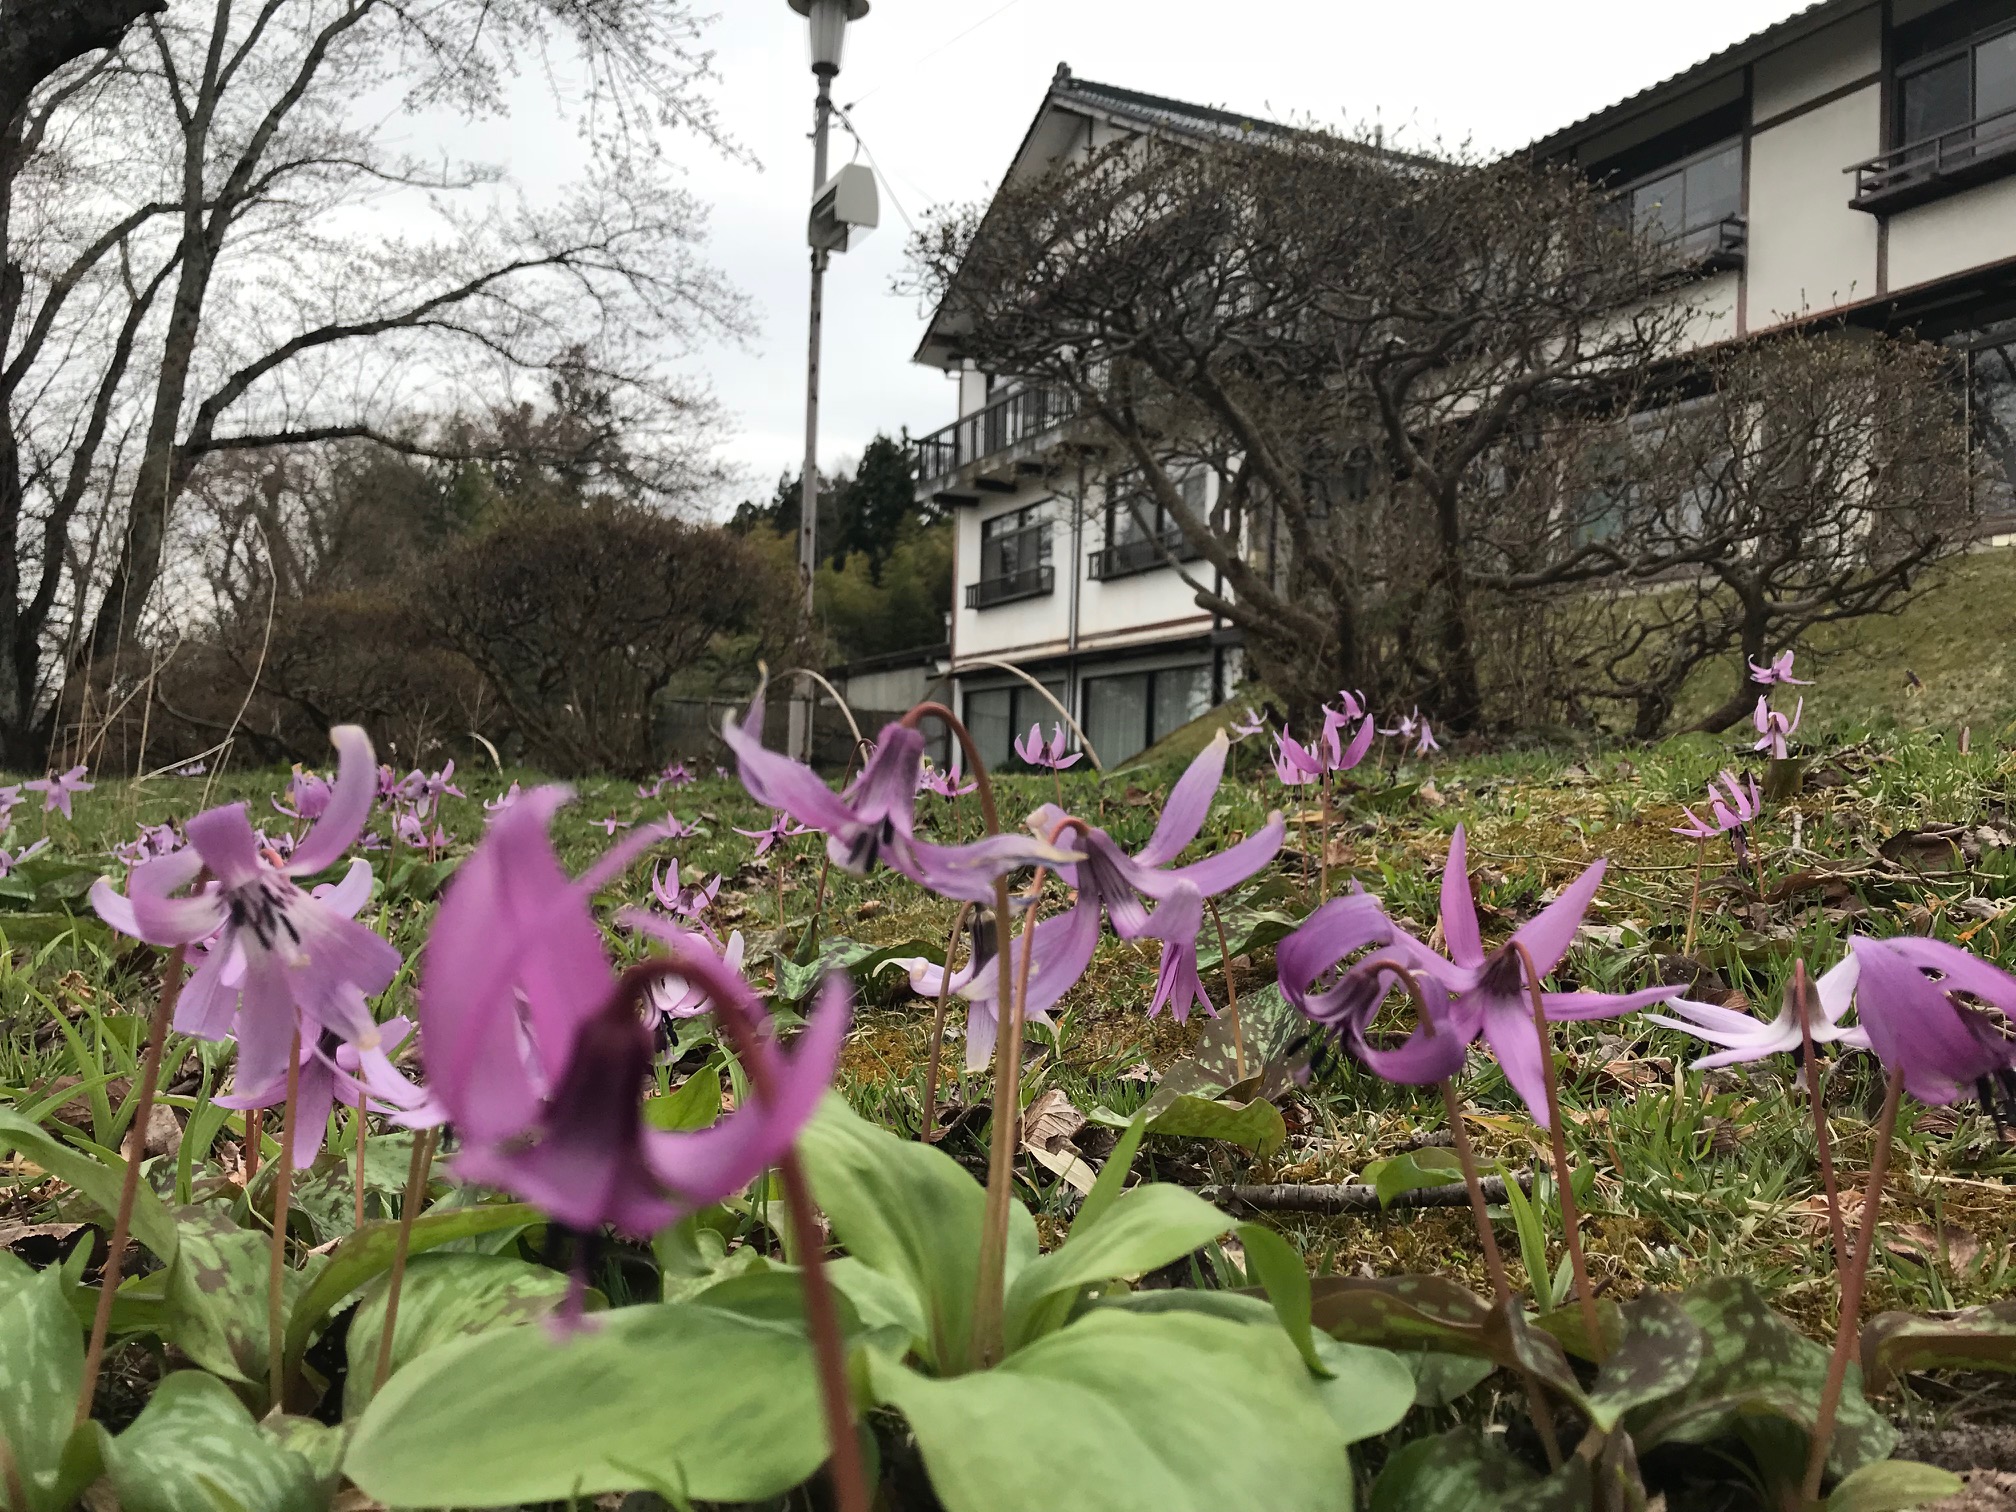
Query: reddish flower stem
[10,1476]
[276,1271]
[1557,1137]
[409,1209]
[929,1133]
[129,1182]
[1835,1229]
[1847,1332]
[255,1131]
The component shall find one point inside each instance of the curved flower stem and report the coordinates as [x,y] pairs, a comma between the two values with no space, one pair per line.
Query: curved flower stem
[276,1272]
[1835,1231]
[1323,883]
[255,1131]
[409,1209]
[1231,992]
[1571,1218]
[1847,1332]
[990,1278]
[129,1181]
[1694,908]
[929,1133]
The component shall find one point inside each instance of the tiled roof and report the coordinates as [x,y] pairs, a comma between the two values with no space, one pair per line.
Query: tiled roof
[1154,111]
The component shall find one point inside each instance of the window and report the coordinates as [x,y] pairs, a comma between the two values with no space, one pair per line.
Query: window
[1014,558]
[1955,116]
[1990,355]
[1140,531]
[1692,200]
[996,716]
[1951,91]
[1125,715]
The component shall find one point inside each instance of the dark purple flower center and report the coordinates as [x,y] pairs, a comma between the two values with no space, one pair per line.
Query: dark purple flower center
[262,906]
[1504,975]
[596,1105]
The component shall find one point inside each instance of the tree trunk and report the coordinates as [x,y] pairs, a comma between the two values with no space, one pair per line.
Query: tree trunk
[1462,699]
[37,37]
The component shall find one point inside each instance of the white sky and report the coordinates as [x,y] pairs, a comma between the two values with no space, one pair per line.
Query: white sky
[943,116]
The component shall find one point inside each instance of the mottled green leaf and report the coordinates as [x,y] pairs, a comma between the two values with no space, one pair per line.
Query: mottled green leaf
[98,1180]
[1401,1313]
[369,1251]
[1256,1125]
[1894,1486]
[1143,1230]
[1412,1171]
[196,1449]
[721,1407]
[41,1372]
[1464,1471]
[444,1297]
[1517,1345]
[1102,1417]
[1980,1338]
[1441,1378]
[217,1294]
[1657,1355]
[797,979]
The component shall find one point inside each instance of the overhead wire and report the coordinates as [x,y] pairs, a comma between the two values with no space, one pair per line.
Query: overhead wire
[861,144]
[942,47]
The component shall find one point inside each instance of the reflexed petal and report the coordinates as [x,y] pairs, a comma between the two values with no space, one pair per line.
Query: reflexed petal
[266,1022]
[1432,1053]
[1331,935]
[1227,869]
[778,782]
[1176,923]
[1360,744]
[1915,1028]
[967,873]
[159,915]
[350,800]
[1548,936]
[1508,1029]
[1459,908]
[208,999]
[350,895]
[1577,1007]
[1835,988]
[223,837]
[1188,806]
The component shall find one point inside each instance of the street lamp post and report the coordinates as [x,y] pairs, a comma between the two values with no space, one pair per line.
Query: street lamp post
[828,26]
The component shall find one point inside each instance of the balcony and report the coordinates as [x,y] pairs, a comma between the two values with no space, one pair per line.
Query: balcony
[1714,247]
[1937,165]
[1031,582]
[1007,423]
[1129,558]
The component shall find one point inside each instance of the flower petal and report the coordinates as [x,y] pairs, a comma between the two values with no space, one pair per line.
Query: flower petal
[1189,805]
[1227,869]
[1508,1029]
[778,782]
[1459,908]
[1548,935]
[161,917]
[350,800]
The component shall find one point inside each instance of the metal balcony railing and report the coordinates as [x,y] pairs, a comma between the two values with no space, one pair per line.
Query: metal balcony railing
[1033,582]
[1718,244]
[1935,165]
[1017,416]
[1130,557]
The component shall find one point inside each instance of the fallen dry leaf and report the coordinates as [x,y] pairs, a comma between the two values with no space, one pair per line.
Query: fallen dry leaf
[1049,1122]
[1955,1247]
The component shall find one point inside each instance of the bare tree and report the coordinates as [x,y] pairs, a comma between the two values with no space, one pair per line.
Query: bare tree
[1345,337]
[222,249]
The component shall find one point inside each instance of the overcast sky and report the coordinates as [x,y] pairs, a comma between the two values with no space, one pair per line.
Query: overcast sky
[946,89]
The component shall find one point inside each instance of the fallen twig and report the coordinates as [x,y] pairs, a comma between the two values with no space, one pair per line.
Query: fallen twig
[1354,1198]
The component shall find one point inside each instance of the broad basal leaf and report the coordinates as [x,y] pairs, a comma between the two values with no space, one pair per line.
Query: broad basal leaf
[98,1180]
[1458,1471]
[1894,1486]
[1104,1416]
[1256,1125]
[196,1449]
[41,1372]
[1980,1338]
[217,1294]
[718,1406]
[1401,1313]
[1660,1350]
[444,1297]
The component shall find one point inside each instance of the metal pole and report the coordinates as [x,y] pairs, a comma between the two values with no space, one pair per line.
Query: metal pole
[799,737]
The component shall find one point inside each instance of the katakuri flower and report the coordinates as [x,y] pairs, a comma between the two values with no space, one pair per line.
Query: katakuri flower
[1778,673]
[539,1055]
[1031,749]
[153,840]
[1773,728]
[1731,806]
[1490,991]
[280,957]
[674,997]
[8,863]
[683,902]
[1425,743]
[1242,730]
[1945,1047]
[335,1072]
[57,791]
[502,801]
[782,827]
[10,800]
[873,820]
[945,782]
[308,793]
[1745,1037]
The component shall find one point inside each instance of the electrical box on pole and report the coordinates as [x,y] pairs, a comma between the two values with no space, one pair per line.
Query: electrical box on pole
[846,208]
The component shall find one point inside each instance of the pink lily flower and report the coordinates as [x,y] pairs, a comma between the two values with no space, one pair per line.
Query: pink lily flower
[1032,750]
[1779,672]
[279,957]
[502,801]
[1773,728]
[1295,763]
[1742,806]
[945,783]
[8,863]
[334,1072]
[10,799]
[781,828]
[308,793]
[1242,730]
[1745,1037]
[612,824]
[674,997]
[1426,744]
[682,902]
[1337,756]
[539,1055]
[57,791]
[1945,1048]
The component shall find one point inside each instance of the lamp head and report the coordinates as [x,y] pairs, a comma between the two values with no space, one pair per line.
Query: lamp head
[829,20]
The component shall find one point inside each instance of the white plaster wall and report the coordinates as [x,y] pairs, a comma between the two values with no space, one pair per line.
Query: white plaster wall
[1950,235]
[1809,252]
[1147,598]
[1850,49]
[1010,628]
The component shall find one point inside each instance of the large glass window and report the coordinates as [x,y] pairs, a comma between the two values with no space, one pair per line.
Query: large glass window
[1124,715]
[1946,93]
[998,716]
[1140,531]
[1691,197]
[1014,544]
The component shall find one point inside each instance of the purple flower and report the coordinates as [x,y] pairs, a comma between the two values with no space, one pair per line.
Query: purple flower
[873,820]
[390,788]
[1337,756]
[153,840]
[781,827]
[539,1058]
[672,828]
[683,902]
[1946,1048]
[502,801]
[1747,1038]
[412,832]
[1773,728]
[333,1071]
[612,824]
[308,794]
[425,790]
[10,799]
[1743,805]
[675,997]
[1425,743]
[193,769]
[1295,763]
[8,863]
[1487,993]
[1242,730]
[59,790]
[650,790]
[946,783]
[277,952]
[1779,672]
[1032,750]
[675,775]
[1354,703]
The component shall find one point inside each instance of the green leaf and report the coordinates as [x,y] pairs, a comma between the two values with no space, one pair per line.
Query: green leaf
[1458,1471]
[694,1106]
[1256,1125]
[1102,1417]
[1401,1313]
[796,979]
[444,1297]
[1411,1172]
[882,1301]
[1532,1233]
[1366,1391]
[719,1406]
[369,1251]
[196,1449]
[98,1180]
[1657,1356]
[1757,1363]
[1145,1229]
[1515,1344]
[693,1255]
[1112,1177]
[1441,1378]
[906,1210]
[217,1295]
[1274,1263]
[1980,1338]
[1894,1486]
[41,1372]
[19,930]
